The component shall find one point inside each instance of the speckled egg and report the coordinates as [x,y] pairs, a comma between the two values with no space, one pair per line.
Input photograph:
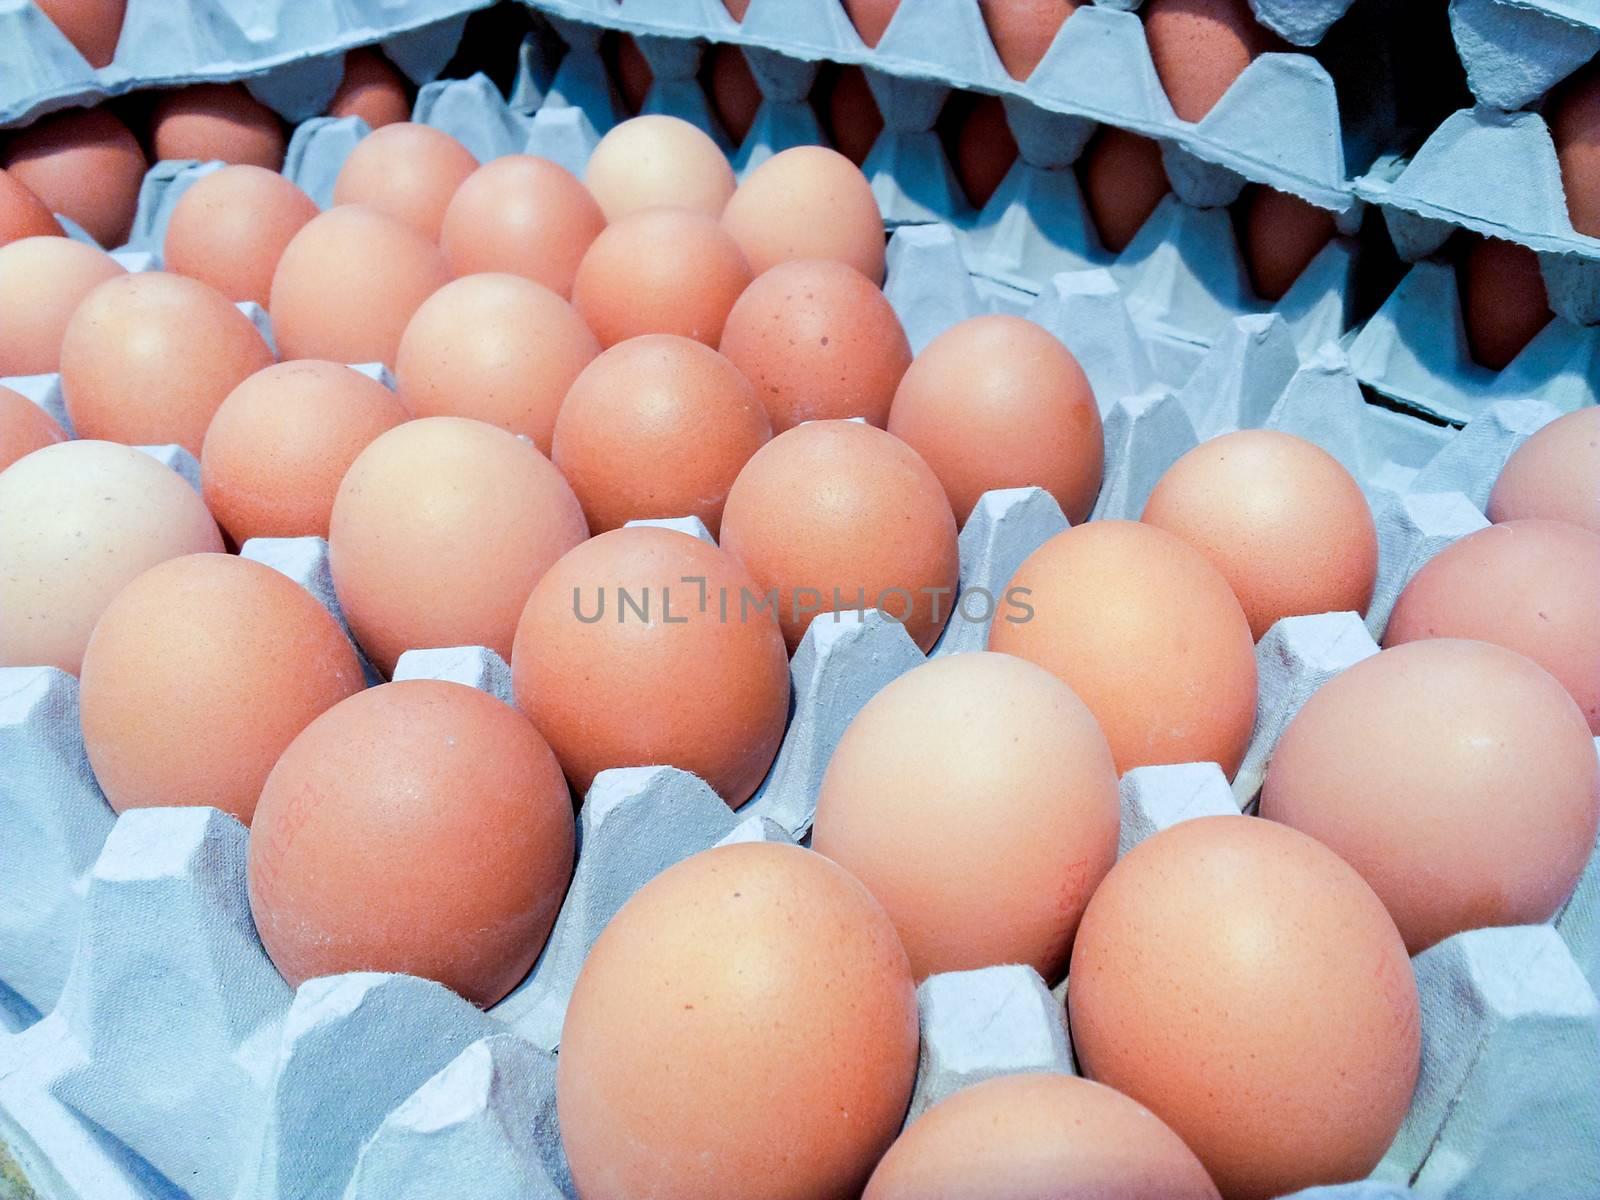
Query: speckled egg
[1023,30]
[1200,47]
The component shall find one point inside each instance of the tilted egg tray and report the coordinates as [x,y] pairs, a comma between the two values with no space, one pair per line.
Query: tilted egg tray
[283,49]
[1514,51]
[171,1060]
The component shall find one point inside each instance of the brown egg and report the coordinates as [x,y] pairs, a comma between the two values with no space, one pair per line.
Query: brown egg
[660,270]
[1554,474]
[737,8]
[850,112]
[1200,47]
[523,216]
[871,17]
[231,227]
[1282,234]
[22,214]
[281,443]
[735,95]
[407,170]
[1575,126]
[1123,181]
[496,348]
[630,68]
[348,284]
[745,1026]
[42,282]
[647,646]
[25,427]
[217,122]
[657,426]
[83,164]
[439,531]
[836,516]
[371,89]
[1025,1137]
[212,643]
[1409,765]
[93,26]
[1287,526]
[803,203]
[999,402]
[976,798]
[1146,632]
[420,827]
[819,342]
[1526,585]
[1243,983]
[1023,30]
[148,358]
[79,520]
[1503,300]
[982,148]
[658,161]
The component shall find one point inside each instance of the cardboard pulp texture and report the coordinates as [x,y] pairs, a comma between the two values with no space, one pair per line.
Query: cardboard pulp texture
[289,55]
[1514,51]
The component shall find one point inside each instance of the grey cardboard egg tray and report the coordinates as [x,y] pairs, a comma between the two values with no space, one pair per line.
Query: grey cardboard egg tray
[157,1053]
[289,54]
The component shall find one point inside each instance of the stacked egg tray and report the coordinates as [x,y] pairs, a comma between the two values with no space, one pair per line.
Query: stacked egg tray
[153,1052]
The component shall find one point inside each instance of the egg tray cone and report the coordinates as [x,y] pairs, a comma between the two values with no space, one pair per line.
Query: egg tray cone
[290,54]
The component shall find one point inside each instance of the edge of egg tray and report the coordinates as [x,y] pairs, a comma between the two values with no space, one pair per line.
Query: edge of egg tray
[1514,51]
[290,56]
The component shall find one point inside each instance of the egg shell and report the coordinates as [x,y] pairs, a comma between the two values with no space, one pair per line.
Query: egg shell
[983,148]
[496,348]
[22,214]
[524,216]
[83,164]
[1020,1137]
[1526,585]
[230,228]
[735,94]
[440,530]
[1200,47]
[807,202]
[871,17]
[1503,299]
[637,649]
[281,442]
[660,270]
[1282,234]
[372,89]
[657,426]
[42,282]
[419,827]
[1408,766]
[658,161]
[629,67]
[745,1026]
[838,516]
[1575,127]
[24,427]
[819,342]
[407,170]
[850,112]
[215,643]
[217,122]
[1288,527]
[1241,981]
[736,8]
[976,799]
[998,402]
[1555,474]
[348,284]
[93,26]
[147,359]
[1022,30]
[1123,181]
[1146,632]
[78,521]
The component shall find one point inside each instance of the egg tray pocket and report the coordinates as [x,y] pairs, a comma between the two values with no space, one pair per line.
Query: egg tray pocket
[1514,51]
[288,53]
